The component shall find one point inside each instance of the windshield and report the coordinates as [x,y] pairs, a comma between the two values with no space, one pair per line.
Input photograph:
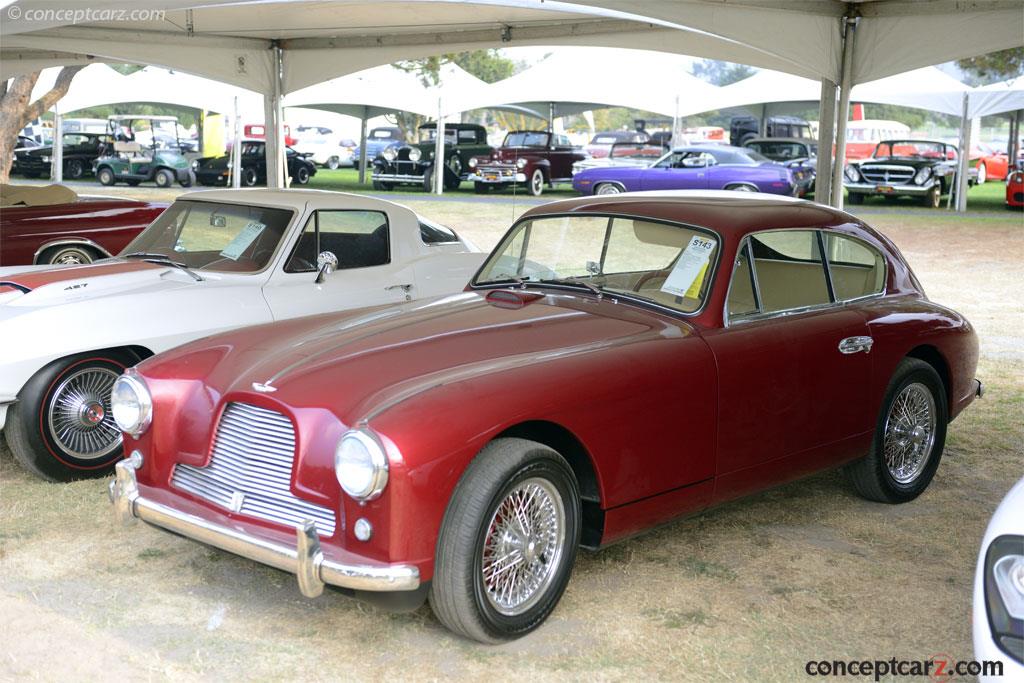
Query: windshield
[633,258]
[526,140]
[636,150]
[430,134]
[782,151]
[914,149]
[212,236]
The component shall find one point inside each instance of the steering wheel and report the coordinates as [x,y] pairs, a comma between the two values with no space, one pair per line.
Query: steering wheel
[647,277]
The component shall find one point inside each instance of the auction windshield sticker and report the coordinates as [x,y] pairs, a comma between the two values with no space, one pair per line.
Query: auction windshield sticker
[936,668]
[690,268]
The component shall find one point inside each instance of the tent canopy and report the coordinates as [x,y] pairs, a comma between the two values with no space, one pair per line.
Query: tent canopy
[580,79]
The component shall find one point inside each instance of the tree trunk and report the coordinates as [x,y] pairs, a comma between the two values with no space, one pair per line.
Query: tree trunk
[17,111]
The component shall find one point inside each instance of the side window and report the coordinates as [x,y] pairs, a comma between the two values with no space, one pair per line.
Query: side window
[359,239]
[857,269]
[742,299]
[789,270]
[432,233]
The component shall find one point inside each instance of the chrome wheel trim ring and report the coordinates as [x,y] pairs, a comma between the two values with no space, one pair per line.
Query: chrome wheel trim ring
[909,433]
[79,417]
[537,182]
[523,546]
[609,188]
[70,257]
[743,188]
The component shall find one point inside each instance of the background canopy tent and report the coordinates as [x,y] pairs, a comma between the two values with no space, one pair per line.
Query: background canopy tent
[275,46]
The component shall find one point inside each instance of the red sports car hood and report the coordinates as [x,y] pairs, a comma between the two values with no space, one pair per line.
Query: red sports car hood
[356,364]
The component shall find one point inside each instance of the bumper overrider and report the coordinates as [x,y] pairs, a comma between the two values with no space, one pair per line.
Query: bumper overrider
[304,557]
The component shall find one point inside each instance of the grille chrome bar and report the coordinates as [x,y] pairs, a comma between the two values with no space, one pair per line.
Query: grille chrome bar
[250,470]
[887,173]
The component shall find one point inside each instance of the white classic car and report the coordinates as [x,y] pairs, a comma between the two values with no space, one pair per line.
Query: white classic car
[213,261]
[998,620]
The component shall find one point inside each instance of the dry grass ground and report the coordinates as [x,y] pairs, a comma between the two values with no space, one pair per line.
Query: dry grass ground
[749,591]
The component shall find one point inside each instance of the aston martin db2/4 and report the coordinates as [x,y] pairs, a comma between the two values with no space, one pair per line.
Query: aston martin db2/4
[617,362]
[213,261]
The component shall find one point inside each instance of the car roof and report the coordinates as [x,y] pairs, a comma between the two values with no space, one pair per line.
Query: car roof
[709,147]
[294,199]
[802,141]
[730,214]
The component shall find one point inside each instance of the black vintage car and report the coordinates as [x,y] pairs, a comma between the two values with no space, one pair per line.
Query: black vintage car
[799,154]
[413,164]
[216,170]
[80,150]
[923,169]
[745,128]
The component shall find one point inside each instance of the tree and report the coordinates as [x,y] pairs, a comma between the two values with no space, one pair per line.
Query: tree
[717,72]
[17,110]
[993,67]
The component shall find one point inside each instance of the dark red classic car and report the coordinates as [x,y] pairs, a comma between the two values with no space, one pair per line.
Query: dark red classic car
[617,362]
[534,157]
[44,225]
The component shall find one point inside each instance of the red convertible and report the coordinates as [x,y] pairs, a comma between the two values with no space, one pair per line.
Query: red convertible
[52,225]
[616,363]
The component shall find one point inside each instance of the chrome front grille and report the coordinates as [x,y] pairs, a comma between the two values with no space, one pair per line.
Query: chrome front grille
[887,174]
[250,470]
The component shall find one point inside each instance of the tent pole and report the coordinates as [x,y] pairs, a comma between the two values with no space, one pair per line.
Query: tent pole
[675,124]
[236,150]
[762,128]
[843,113]
[274,134]
[57,151]
[826,134]
[551,117]
[963,162]
[362,146]
[439,151]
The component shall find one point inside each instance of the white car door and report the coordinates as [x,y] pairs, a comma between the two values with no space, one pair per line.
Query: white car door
[368,271]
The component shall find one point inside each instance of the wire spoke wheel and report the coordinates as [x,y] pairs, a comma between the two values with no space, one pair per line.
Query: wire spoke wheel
[910,433]
[79,417]
[523,546]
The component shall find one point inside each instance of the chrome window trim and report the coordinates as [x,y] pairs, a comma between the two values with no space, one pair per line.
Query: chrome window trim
[754,317]
[314,215]
[713,271]
[66,241]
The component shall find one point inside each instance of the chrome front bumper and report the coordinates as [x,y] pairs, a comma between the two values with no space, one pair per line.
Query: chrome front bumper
[305,559]
[872,189]
[495,179]
[397,177]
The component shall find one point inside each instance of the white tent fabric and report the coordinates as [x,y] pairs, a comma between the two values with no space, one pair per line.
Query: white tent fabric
[366,94]
[580,79]
[764,87]
[928,88]
[98,85]
[998,98]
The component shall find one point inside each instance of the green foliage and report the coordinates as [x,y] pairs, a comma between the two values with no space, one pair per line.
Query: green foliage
[717,72]
[993,67]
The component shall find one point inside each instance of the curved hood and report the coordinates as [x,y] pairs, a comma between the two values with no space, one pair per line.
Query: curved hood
[54,285]
[358,365]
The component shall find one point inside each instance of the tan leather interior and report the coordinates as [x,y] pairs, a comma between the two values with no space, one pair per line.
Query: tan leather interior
[792,284]
[132,148]
[36,195]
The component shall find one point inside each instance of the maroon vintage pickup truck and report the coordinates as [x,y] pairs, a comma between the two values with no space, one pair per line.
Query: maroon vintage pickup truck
[531,157]
[42,225]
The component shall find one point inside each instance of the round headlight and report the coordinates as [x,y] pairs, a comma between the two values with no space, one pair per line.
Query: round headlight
[472,162]
[922,176]
[852,174]
[131,404]
[390,153]
[415,154]
[361,465]
[520,163]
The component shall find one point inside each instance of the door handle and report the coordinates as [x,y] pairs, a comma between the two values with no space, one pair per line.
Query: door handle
[856,345]
[406,289]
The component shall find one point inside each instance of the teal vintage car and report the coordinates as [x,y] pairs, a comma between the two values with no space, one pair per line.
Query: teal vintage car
[136,158]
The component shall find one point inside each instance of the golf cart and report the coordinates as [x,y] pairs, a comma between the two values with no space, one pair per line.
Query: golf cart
[141,152]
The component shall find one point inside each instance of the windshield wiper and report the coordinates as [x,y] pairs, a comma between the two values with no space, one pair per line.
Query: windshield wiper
[505,279]
[598,291]
[163,259]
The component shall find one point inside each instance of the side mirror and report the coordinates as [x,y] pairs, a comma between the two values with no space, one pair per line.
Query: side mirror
[326,264]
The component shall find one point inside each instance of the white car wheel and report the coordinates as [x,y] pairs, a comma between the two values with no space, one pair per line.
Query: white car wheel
[982,174]
[607,188]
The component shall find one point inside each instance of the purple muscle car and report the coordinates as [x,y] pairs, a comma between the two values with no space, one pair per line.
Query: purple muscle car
[697,167]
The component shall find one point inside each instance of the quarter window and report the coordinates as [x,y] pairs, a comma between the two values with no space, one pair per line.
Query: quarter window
[857,269]
[359,239]
[433,233]
[788,273]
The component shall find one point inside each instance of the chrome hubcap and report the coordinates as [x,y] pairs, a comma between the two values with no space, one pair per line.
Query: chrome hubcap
[79,417]
[910,433]
[70,258]
[523,547]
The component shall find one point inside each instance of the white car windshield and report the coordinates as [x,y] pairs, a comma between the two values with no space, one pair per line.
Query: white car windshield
[213,236]
[662,263]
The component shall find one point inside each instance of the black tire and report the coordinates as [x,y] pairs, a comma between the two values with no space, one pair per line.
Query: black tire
[74,169]
[29,432]
[933,199]
[189,180]
[301,176]
[249,178]
[871,476]
[855,198]
[536,184]
[69,254]
[455,164]
[428,180]
[105,176]
[163,177]
[457,593]
[355,163]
